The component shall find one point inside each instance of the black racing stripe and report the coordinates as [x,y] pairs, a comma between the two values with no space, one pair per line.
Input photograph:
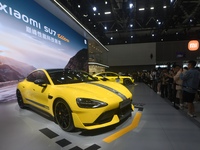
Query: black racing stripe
[111,90]
[44,106]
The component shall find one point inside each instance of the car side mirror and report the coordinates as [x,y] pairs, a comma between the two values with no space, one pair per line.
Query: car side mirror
[40,82]
[96,78]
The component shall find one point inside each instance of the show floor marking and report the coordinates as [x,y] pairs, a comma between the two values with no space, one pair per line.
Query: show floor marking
[123,131]
[48,133]
[64,142]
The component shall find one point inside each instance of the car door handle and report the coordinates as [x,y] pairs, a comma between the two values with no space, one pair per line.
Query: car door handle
[50,96]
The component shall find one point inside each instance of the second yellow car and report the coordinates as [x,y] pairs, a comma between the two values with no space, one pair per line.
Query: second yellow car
[114,77]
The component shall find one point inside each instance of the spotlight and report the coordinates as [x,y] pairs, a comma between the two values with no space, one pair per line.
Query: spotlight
[131,5]
[152,8]
[94,8]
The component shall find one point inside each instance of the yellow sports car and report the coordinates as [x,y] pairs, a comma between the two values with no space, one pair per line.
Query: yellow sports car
[112,76]
[75,99]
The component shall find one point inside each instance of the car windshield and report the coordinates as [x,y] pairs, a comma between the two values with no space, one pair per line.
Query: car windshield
[69,76]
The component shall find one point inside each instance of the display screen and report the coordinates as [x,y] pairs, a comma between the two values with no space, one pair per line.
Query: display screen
[32,37]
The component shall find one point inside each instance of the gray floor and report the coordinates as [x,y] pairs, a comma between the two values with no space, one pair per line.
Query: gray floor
[161,127]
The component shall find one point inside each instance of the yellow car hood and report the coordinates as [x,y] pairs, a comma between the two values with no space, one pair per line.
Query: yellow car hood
[99,90]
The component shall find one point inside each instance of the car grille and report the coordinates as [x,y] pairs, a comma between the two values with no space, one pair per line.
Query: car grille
[123,112]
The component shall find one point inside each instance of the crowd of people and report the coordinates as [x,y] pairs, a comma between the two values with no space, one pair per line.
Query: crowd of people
[180,85]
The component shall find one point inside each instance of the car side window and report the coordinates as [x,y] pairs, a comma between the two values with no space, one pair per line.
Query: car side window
[31,77]
[101,75]
[37,75]
[108,74]
[104,74]
[41,75]
[111,74]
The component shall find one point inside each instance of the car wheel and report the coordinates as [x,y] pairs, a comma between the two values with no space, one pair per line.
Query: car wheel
[63,115]
[127,82]
[20,99]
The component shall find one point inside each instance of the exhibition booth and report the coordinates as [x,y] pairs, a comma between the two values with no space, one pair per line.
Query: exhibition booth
[38,34]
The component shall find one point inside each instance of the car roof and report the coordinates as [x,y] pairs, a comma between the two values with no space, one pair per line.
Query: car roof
[61,70]
[57,70]
[54,70]
[106,72]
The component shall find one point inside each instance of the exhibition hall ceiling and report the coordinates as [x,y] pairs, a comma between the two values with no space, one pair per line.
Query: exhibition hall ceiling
[137,21]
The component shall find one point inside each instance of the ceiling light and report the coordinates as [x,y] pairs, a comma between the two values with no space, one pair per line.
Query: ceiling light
[131,36]
[171,1]
[85,41]
[106,2]
[164,6]
[116,30]
[131,25]
[99,14]
[94,14]
[111,38]
[153,34]
[94,25]
[79,6]
[89,20]
[151,8]
[94,8]
[141,9]
[107,12]
[85,15]
[105,28]
[131,5]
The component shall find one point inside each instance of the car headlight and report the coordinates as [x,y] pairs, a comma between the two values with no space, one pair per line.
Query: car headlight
[90,103]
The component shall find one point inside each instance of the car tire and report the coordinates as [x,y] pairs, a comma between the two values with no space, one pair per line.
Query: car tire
[63,116]
[127,82]
[20,99]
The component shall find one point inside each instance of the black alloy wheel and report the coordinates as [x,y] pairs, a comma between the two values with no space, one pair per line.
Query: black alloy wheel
[127,82]
[20,99]
[63,115]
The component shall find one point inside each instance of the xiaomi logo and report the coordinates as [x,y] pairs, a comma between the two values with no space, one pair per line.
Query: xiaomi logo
[193,45]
